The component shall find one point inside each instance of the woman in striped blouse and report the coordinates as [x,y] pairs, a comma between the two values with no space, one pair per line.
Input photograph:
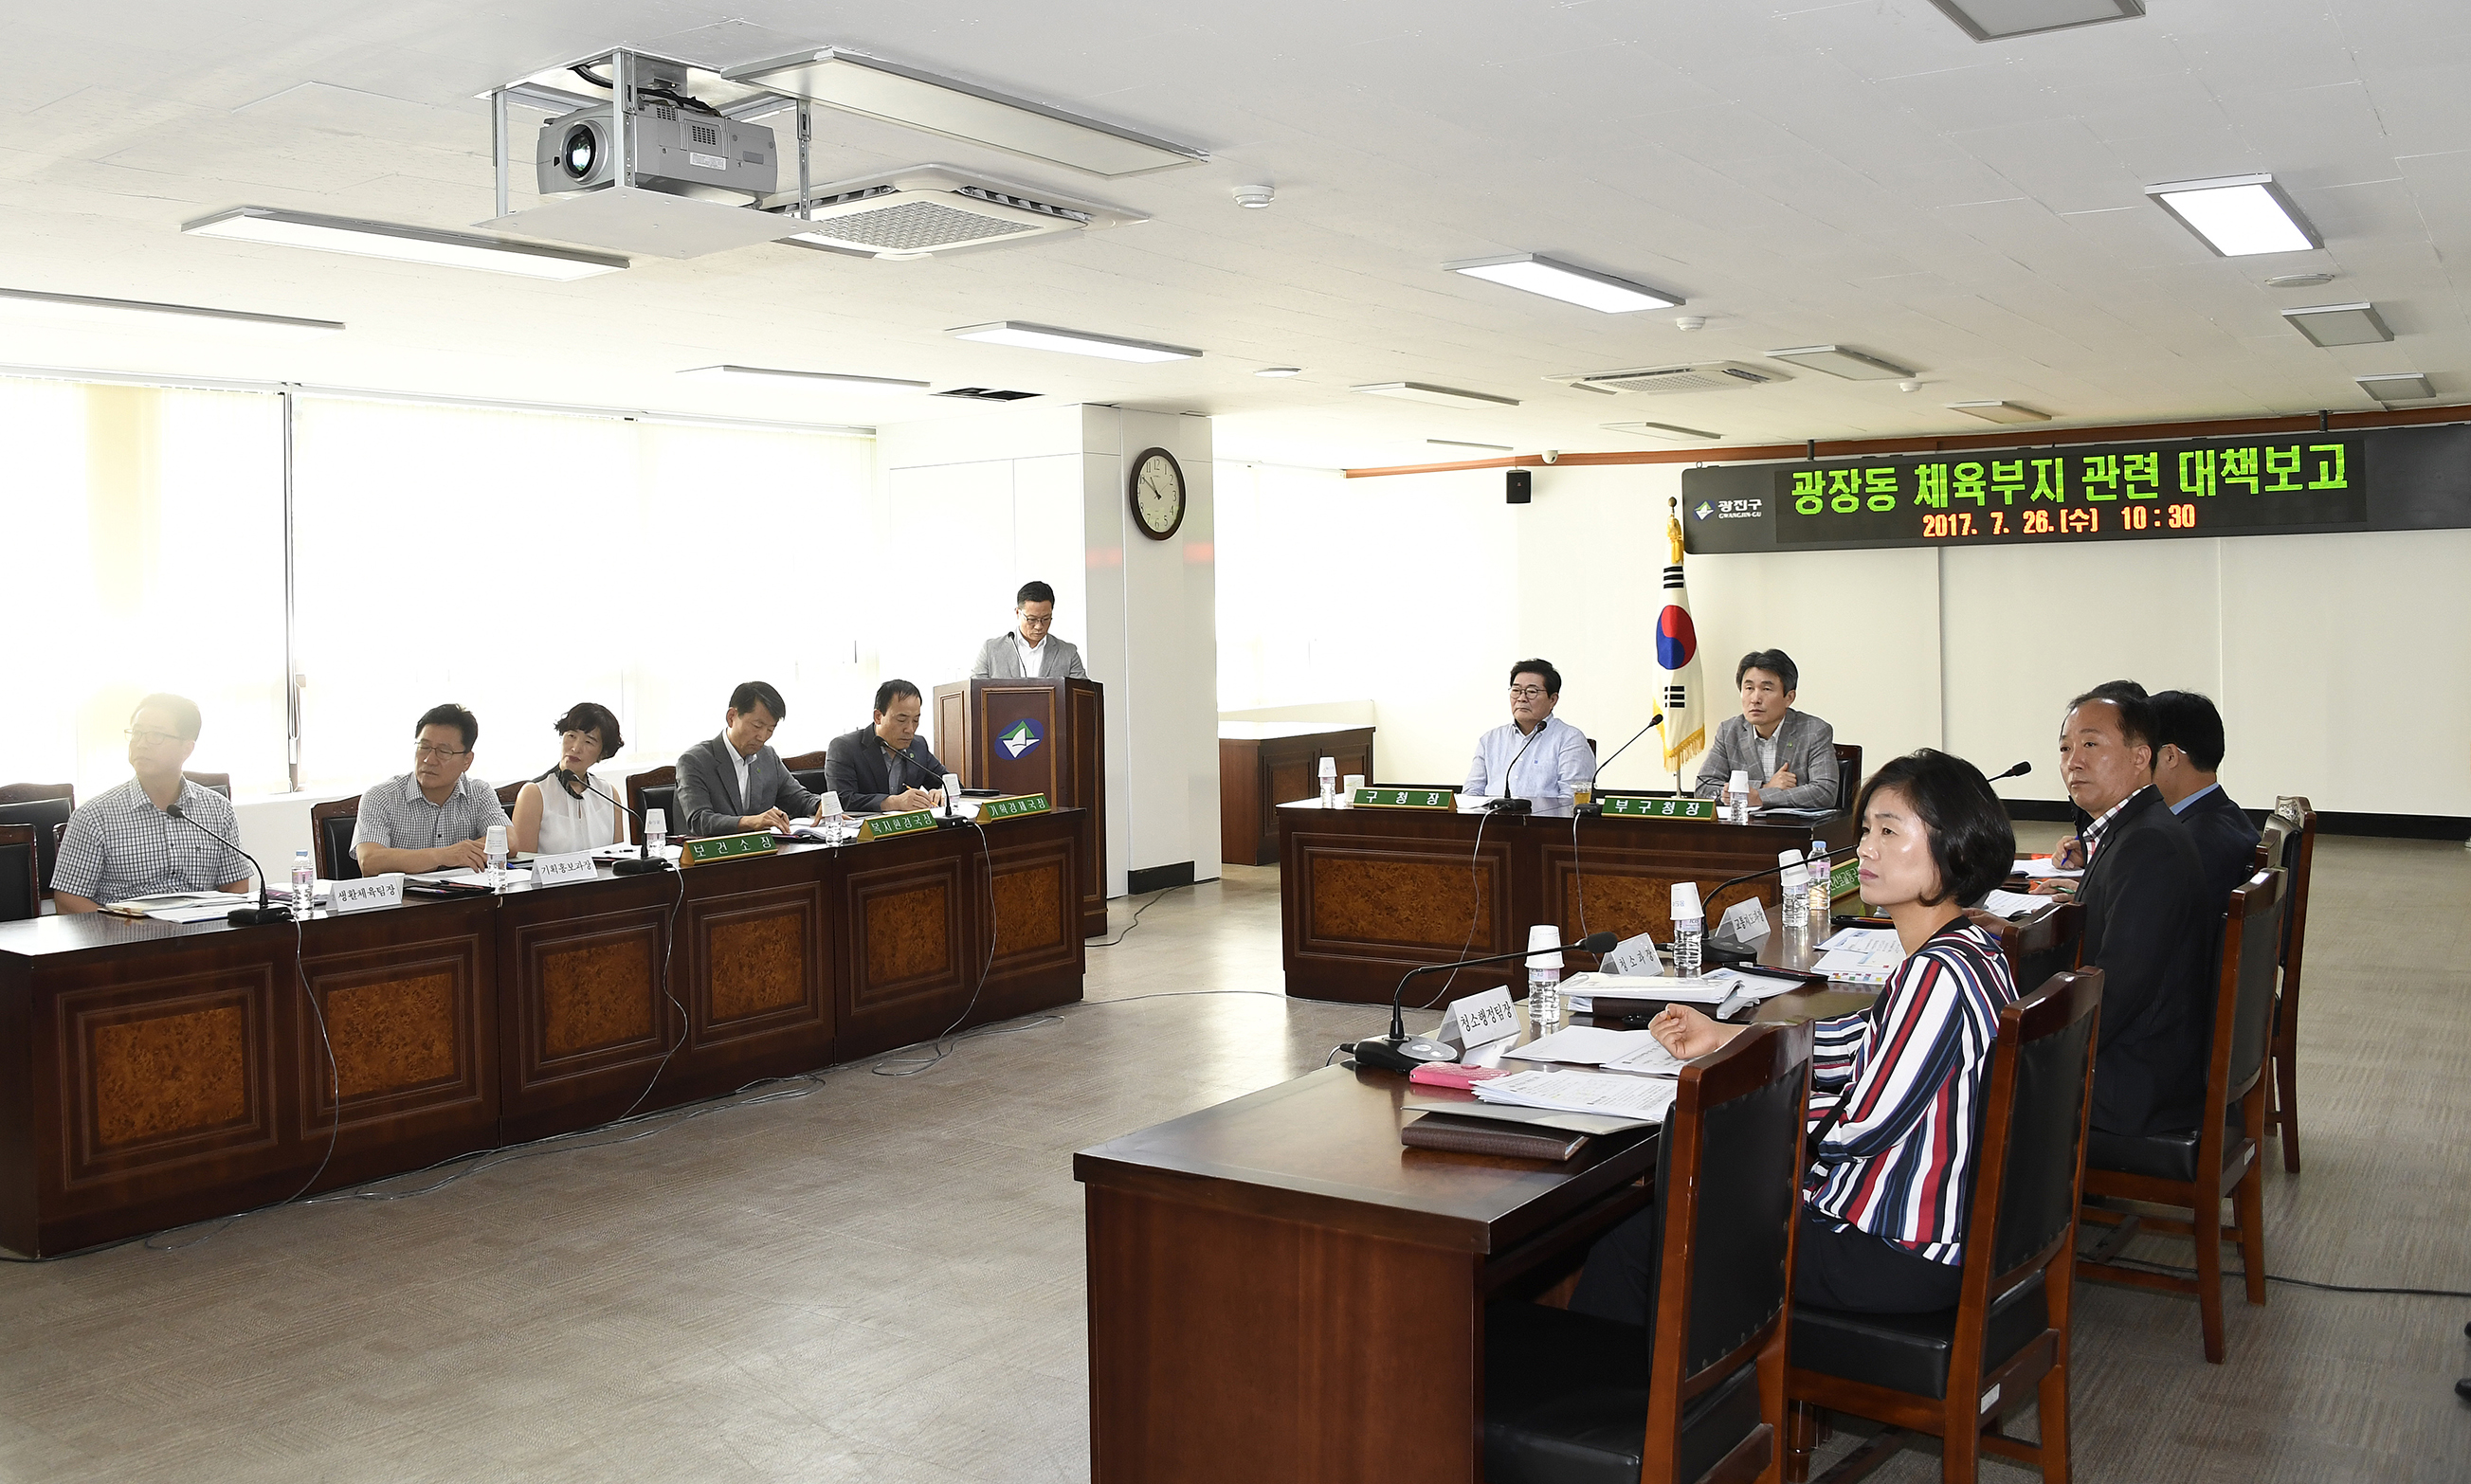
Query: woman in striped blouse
[1895,1089]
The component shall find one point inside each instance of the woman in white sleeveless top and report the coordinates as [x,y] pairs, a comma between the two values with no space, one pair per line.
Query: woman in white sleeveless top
[551,819]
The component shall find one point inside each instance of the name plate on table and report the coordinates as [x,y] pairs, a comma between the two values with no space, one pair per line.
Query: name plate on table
[727,847]
[885,826]
[359,896]
[1441,799]
[558,870]
[1013,808]
[1479,1019]
[1629,808]
[1744,922]
[1845,879]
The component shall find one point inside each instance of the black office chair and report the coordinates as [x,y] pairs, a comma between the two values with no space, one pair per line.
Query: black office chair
[330,826]
[1953,1375]
[47,807]
[656,790]
[21,873]
[1698,1393]
[219,783]
[1848,775]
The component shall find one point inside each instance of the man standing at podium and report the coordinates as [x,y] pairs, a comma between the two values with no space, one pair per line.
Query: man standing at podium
[1029,651]
[1537,755]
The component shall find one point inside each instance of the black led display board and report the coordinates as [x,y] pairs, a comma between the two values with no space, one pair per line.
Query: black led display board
[2069,494]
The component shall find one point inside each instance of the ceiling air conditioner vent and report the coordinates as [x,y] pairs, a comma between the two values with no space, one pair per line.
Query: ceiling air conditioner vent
[1705,376]
[986,394]
[934,208]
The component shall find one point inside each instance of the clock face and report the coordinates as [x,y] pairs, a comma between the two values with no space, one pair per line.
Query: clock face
[1158,493]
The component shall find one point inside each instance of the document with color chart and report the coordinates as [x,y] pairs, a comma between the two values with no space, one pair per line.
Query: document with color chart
[1861,955]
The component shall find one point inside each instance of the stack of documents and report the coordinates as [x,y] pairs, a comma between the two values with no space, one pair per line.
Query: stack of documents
[183,907]
[2039,868]
[1716,987]
[1586,1046]
[1582,1091]
[1861,955]
[2014,904]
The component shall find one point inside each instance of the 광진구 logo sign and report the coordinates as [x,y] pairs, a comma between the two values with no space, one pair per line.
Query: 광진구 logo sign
[1019,738]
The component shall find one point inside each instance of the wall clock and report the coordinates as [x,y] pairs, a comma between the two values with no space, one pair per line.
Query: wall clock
[1158,493]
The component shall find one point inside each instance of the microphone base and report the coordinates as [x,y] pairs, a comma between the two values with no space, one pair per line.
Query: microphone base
[257,916]
[1724,951]
[1511,807]
[642,865]
[1379,1054]
[950,822]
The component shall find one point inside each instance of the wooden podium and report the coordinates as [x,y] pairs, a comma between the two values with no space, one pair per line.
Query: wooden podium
[1036,736]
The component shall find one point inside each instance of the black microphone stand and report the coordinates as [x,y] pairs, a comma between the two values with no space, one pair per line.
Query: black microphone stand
[1596,803]
[1507,804]
[645,863]
[1398,1052]
[242,916]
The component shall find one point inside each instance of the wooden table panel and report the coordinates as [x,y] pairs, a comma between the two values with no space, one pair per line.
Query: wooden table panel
[1264,763]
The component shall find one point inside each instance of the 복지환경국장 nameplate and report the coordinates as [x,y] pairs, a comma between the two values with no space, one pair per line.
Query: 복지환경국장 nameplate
[1631,808]
[1013,808]
[885,826]
[727,847]
[1406,798]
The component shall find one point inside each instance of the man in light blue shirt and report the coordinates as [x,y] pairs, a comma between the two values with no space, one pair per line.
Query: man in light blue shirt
[1551,757]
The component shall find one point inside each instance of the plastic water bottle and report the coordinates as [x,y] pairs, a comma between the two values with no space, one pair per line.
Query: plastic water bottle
[1544,978]
[1820,898]
[656,830]
[1690,924]
[495,849]
[1329,783]
[1737,797]
[1796,892]
[304,884]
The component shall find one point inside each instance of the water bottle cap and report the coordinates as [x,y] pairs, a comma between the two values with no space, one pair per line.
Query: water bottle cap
[1818,848]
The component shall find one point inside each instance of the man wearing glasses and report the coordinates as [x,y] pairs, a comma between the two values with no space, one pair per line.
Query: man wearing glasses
[433,818]
[1029,651]
[1552,755]
[125,843]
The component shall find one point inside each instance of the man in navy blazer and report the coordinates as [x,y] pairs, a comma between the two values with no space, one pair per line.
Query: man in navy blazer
[2187,755]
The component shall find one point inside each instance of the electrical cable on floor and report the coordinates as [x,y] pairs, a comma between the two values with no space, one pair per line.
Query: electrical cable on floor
[2300,1282]
[1137,917]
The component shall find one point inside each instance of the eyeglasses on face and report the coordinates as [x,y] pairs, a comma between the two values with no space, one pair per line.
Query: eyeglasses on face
[148,736]
[425,752]
[1525,692]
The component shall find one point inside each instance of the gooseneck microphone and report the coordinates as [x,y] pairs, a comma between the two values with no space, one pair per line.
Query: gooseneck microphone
[1596,803]
[240,916]
[1399,1051]
[645,863]
[1507,804]
[1722,950]
[2018,771]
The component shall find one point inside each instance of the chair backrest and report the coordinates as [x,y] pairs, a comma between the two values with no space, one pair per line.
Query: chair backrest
[21,873]
[805,763]
[1730,1198]
[656,790]
[221,783]
[2244,997]
[2037,950]
[2029,1159]
[1848,775]
[507,793]
[330,829]
[45,805]
[2289,840]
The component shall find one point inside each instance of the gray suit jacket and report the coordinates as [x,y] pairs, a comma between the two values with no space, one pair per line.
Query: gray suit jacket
[999,659]
[1804,744]
[708,796]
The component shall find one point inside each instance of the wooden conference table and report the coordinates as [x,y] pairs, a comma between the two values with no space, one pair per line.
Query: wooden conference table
[157,1074]
[1367,894]
[1279,1289]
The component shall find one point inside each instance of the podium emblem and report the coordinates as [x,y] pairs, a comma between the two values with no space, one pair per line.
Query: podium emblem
[1019,738]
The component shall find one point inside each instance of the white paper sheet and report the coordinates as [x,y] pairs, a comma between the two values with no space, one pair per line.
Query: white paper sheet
[2042,870]
[1582,1091]
[1588,1045]
[2013,904]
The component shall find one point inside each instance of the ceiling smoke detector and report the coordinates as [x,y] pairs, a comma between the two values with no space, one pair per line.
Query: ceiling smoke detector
[1254,197]
[929,209]
[1698,376]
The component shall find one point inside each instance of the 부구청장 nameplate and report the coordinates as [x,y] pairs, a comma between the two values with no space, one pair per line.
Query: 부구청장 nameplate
[727,847]
[1013,808]
[885,826]
[1408,798]
[1629,808]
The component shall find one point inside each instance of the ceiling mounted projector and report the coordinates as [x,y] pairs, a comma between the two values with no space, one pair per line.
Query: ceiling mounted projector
[674,150]
[929,209]
[1701,376]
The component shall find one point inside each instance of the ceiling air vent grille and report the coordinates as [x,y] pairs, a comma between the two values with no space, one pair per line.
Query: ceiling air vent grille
[1706,376]
[934,208]
[986,394]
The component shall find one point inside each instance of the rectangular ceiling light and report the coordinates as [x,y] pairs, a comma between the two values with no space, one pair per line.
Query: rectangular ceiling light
[1670,432]
[1440,397]
[879,89]
[1498,448]
[1561,281]
[1836,360]
[2238,216]
[22,304]
[1078,342]
[2340,324]
[2406,387]
[1996,20]
[405,244]
[819,380]
[1999,411]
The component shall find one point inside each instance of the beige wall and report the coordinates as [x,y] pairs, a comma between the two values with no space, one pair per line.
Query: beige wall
[2308,643]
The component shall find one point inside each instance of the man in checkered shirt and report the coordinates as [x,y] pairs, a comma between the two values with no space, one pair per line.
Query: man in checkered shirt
[125,843]
[433,818]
